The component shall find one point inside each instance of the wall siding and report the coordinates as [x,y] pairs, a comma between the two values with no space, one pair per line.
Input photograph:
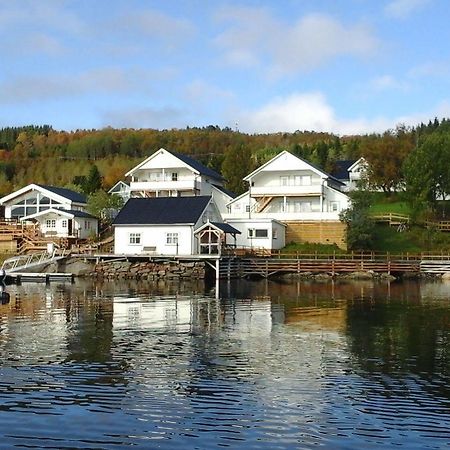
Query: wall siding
[329,232]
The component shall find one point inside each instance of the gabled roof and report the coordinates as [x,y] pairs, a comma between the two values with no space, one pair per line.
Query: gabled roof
[341,168]
[225,227]
[51,191]
[67,193]
[162,210]
[195,165]
[361,160]
[119,184]
[69,213]
[285,152]
[225,191]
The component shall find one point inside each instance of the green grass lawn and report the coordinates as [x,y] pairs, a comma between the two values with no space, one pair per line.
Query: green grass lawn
[414,240]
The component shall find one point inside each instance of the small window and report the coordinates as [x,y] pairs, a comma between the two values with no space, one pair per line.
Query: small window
[274,233]
[247,208]
[284,181]
[50,223]
[64,223]
[334,206]
[172,238]
[135,238]
[174,176]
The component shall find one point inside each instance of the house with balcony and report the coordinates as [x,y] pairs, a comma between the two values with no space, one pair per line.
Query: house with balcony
[170,174]
[292,191]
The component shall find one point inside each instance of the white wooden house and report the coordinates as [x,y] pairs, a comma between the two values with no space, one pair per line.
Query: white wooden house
[60,212]
[289,188]
[64,223]
[170,174]
[170,226]
[36,198]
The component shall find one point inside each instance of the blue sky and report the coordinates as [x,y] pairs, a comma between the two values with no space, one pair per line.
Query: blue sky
[343,66]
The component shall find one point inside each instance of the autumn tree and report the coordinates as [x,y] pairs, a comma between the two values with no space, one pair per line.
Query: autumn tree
[386,155]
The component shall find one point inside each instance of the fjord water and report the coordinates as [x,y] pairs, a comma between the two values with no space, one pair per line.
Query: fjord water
[267,365]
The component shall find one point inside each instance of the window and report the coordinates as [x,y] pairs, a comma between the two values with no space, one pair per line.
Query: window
[174,176]
[134,238]
[274,233]
[247,208]
[64,223]
[172,238]
[284,181]
[257,233]
[50,223]
[305,180]
[334,206]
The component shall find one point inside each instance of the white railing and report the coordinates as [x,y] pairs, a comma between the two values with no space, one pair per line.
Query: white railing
[24,261]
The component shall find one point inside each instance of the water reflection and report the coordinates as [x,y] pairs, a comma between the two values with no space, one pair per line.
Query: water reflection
[268,365]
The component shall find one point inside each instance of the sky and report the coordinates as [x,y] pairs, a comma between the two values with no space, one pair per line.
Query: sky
[340,66]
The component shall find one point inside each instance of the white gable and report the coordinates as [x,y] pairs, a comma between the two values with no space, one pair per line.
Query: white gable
[162,159]
[285,161]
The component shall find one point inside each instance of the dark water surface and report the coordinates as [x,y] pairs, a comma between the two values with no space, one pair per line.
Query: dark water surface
[267,366]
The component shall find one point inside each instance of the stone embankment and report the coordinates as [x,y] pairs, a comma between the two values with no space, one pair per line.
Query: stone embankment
[149,270]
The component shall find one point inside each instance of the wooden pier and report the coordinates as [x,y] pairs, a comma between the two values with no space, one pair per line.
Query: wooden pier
[332,264]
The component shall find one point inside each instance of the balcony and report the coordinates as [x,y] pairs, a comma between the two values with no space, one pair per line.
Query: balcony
[277,191]
[180,185]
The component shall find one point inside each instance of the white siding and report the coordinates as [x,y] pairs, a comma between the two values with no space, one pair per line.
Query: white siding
[249,238]
[154,236]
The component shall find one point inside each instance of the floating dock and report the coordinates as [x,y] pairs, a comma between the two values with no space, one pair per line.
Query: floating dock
[30,277]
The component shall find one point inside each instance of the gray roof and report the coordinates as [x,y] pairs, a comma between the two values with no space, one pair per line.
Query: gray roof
[79,213]
[226,228]
[225,191]
[162,210]
[198,166]
[66,193]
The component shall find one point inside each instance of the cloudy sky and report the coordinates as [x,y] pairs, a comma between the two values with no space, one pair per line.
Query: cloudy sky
[345,66]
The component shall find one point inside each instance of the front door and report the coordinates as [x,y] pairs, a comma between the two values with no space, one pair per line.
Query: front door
[69,227]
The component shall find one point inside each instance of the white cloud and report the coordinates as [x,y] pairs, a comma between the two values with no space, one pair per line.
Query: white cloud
[388,82]
[402,8]
[311,111]
[110,80]
[254,37]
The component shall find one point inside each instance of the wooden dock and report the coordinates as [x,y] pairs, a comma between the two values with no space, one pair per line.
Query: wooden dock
[30,277]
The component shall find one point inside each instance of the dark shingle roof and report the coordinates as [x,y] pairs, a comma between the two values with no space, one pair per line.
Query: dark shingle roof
[161,210]
[225,191]
[340,170]
[226,228]
[196,165]
[79,213]
[67,193]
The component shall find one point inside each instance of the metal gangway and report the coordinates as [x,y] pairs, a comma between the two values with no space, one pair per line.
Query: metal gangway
[24,262]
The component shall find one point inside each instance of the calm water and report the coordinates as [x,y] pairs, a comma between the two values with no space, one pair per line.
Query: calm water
[267,366]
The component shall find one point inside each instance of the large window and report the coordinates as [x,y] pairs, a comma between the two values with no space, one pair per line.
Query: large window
[172,238]
[134,238]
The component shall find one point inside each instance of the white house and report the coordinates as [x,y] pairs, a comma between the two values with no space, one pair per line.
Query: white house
[169,226]
[259,233]
[65,223]
[289,188]
[36,198]
[350,172]
[170,174]
[121,189]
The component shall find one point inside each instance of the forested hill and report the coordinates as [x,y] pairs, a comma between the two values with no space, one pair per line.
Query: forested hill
[43,155]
